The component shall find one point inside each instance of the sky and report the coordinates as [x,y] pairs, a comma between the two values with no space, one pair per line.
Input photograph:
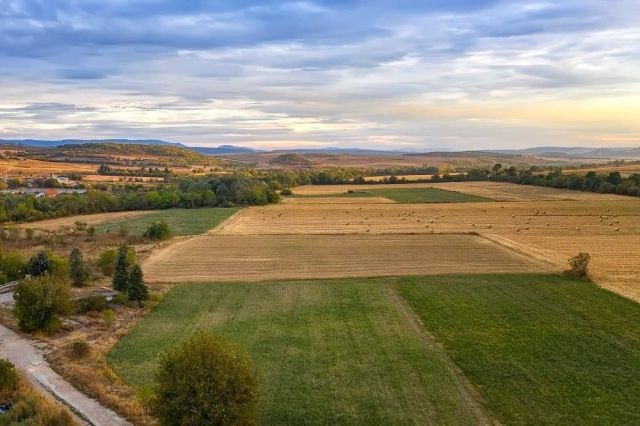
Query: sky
[407,75]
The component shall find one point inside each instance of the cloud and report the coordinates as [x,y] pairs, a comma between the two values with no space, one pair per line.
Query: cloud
[457,73]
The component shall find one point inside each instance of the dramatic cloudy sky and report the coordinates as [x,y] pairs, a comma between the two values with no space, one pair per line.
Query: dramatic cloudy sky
[402,74]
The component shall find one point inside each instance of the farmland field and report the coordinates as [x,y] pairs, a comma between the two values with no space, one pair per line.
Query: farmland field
[28,167]
[326,352]
[219,257]
[540,349]
[180,221]
[426,195]
[498,191]
[532,348]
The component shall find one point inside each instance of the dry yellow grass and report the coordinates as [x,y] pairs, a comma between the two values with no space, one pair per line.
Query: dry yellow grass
[215,257]
[89,219]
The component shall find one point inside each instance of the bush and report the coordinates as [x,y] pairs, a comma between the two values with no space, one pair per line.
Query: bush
[107,317]
[12,265]
[91,304]
[9,379]
[29,233]
[79,349]
[579,265]
[107,262]
[40,302]
[38,264]
[286,191]
[206,380]
[158,231]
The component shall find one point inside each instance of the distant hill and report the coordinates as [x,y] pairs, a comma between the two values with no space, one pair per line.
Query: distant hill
[222,150]
[55,143]
[125,154]
[576,152]
[290,159]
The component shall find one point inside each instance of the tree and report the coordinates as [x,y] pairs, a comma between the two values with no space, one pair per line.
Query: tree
[107,261]
[38,264]
[579,265]
[121,272]
[206,380]
[158,231]
[497,167]
[40,301]
[78,270]
[136,289]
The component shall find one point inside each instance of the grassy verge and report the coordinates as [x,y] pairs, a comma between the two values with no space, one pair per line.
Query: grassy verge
[326,352]
[181,221]
[426,195]
[540,349]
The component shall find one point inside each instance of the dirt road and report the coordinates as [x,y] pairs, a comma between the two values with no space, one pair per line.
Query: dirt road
[28,359]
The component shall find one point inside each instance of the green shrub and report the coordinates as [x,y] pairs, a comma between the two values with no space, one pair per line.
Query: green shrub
[39,302]
[579,265]
[286,191]
[91,304]
[9,379]
[206,380]
[29,233]
[12,265]
[107,262]
[79,349]
[158,231]
[107,317]
[38,264]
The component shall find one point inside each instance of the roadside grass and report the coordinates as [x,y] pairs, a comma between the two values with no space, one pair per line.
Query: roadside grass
[426,195]
[539,348]
[325,351]
[180,221]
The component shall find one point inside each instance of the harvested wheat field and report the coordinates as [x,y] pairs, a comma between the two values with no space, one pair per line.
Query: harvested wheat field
[615,260]
[89,219]
[256,258]
[571,218]
[498,191]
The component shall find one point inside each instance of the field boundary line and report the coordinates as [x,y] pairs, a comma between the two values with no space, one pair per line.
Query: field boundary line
[468,392]
[521,250]
[228,221]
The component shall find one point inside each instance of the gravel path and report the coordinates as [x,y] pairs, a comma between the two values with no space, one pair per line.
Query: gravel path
[27,358]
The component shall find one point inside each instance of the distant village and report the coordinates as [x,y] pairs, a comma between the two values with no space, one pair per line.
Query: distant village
[49,187]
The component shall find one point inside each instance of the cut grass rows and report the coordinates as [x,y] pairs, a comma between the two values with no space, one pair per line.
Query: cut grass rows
[537,348]
[180,221]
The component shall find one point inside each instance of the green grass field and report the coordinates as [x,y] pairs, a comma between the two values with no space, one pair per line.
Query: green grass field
[181,221]
[539,349]
[536,348]
[426,195]
[326,352]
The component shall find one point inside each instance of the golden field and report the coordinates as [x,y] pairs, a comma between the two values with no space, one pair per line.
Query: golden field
[217,257]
